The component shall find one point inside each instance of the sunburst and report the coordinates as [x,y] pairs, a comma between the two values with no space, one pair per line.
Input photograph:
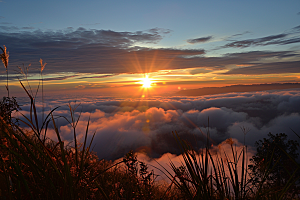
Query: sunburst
[146,82]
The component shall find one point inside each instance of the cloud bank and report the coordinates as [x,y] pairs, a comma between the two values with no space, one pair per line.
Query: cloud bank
[146,125]
[111,52]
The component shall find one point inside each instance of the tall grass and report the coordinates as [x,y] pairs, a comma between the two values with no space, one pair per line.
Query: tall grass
[35,167]
[33,163]
[42,69]
[4,58]
[206,176]
[223,175]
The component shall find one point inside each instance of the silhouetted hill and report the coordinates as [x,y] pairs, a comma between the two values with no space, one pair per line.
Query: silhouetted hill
[236,88]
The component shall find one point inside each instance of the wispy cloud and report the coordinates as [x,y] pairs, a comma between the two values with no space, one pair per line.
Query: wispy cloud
[273,39]
[230,38]
[57,78]
[296,29]
[27,28]
[279,39]
[269,68]
[240,34]
[9,28]
[90,24]
[199,40]
[102,76]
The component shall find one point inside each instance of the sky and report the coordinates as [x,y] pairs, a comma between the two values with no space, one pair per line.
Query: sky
[122,62]
[107,47]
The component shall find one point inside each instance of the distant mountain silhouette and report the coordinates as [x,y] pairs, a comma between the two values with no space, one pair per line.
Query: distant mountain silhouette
[236,88]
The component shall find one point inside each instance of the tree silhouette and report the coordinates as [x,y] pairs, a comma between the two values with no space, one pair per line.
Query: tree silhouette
[276,161]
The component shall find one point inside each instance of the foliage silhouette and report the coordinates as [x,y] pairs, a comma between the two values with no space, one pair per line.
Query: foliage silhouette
[276,153]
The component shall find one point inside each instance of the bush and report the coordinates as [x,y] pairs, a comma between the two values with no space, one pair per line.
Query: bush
[275,162]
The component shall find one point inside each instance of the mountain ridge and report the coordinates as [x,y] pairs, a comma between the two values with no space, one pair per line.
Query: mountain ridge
[236,88]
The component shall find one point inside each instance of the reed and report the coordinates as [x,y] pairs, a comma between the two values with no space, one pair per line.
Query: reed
[5,57]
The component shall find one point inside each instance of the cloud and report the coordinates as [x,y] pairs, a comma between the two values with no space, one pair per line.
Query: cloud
[2,78]
[268,68]
[9,28]
[28,28]
[102,76]
[255,42]
[236,88]
[199,40]
[93,51]
[57,78]
[21,77]
[133,124]
[48,79]
[199,71]
[90,24]
[252,58]
[296,29]
[279,39]
[80,86]
[238,34]
[159,31]
[110,52]
[70,38]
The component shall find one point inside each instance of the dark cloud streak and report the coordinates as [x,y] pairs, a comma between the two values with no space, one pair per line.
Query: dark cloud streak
[274,39]
[110,52]
[279,39]
[199,40]
[269,68]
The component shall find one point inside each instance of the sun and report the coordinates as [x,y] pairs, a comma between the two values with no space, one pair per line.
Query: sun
[146,82]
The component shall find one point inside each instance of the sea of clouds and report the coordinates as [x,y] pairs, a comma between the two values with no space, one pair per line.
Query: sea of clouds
[146,125]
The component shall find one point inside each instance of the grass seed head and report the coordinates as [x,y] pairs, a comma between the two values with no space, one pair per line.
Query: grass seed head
[4,56]
[42,65]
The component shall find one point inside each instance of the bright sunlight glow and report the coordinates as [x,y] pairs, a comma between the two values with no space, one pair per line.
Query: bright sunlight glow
[146,82]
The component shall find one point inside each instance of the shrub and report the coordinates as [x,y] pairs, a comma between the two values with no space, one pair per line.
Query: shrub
[275,163]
